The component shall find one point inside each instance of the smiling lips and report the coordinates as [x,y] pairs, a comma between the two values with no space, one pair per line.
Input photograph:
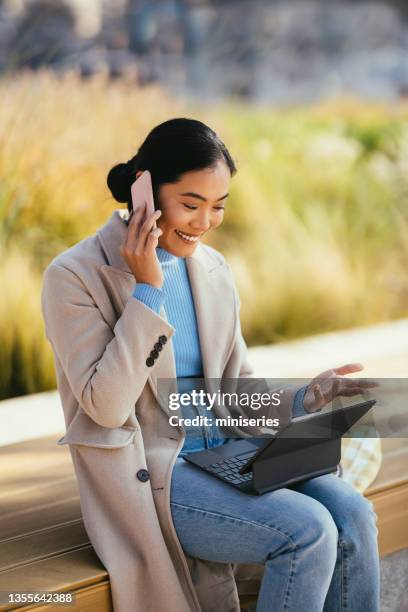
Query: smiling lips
[187,237]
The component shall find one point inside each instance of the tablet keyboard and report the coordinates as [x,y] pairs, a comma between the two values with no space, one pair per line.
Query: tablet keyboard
[228,469]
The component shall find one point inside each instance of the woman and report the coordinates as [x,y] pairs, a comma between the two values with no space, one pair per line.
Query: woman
[171,537]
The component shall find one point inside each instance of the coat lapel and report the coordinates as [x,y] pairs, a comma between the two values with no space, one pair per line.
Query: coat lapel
[212,310]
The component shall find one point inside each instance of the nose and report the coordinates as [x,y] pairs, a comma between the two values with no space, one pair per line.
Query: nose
[201,221]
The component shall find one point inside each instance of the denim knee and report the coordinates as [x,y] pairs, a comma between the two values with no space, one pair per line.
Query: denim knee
[316,534]
[359,521]
[323,533]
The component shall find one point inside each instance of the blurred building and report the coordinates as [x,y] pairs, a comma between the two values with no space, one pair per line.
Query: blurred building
[280,51]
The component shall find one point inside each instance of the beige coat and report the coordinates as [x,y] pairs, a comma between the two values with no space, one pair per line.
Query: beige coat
[101,337]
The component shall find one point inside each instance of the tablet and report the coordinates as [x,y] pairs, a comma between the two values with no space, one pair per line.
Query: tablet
[310,429]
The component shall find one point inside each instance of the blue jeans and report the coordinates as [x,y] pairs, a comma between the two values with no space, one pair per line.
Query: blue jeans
[317,540]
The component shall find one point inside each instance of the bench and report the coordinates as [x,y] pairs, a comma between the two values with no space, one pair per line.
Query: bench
[44,546]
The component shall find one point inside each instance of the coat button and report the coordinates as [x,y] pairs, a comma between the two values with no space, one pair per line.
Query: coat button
[149,362]
[154,354]
[162,339]
[143,475]
[158,346]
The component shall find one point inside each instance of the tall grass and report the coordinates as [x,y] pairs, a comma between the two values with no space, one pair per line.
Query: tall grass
[316,228]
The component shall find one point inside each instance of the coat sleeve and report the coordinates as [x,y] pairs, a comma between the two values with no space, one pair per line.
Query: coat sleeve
[106,369]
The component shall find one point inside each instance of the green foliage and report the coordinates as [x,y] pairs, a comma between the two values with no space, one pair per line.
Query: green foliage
[316,228]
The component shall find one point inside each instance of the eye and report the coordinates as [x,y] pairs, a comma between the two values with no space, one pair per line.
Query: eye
[190,207]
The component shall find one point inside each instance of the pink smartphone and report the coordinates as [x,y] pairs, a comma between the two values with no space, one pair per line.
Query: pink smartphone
[142,192]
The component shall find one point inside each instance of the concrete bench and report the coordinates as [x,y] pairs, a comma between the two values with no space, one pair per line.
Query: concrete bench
[44,546]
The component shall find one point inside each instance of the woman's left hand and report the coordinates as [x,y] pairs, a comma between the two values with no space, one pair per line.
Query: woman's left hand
[331,383]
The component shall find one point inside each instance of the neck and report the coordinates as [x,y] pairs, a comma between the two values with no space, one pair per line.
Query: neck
[166,257]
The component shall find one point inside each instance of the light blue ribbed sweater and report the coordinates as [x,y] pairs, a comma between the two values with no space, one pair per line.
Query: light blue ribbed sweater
[180,311]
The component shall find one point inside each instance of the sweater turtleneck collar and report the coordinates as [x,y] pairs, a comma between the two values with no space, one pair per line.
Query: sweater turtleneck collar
[165,257]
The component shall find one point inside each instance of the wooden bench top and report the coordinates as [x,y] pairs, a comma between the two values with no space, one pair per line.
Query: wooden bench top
[43,543]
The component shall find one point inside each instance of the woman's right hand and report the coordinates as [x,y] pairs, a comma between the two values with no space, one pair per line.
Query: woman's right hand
[139,247]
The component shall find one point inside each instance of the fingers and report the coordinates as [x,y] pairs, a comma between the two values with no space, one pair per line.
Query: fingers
[138,230]
[348,368]
[326,389]
[350,391]
[355,386]
[153,238]
[346,387]
[360,383]
[365,383]
[147,228]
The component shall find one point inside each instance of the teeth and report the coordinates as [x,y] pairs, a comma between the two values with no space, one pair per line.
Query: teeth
[189,238]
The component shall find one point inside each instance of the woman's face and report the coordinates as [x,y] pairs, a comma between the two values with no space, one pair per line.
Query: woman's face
[192,207]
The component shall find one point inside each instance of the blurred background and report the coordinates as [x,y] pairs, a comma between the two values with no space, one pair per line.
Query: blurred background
[310,98]
[260,50]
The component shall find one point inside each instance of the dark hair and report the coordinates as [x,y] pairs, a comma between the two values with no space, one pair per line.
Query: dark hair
[169,150]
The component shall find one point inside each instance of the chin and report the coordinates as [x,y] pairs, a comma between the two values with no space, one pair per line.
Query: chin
[177,247]
[184,250]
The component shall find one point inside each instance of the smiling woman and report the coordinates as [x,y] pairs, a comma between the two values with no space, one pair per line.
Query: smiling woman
[139,303]
[191,169]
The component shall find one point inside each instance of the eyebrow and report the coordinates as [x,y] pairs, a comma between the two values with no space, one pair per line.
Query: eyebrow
[200,197]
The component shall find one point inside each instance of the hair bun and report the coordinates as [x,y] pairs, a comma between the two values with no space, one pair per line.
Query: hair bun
[119,182]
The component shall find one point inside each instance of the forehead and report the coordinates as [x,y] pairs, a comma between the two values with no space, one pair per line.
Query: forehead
[209,182]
